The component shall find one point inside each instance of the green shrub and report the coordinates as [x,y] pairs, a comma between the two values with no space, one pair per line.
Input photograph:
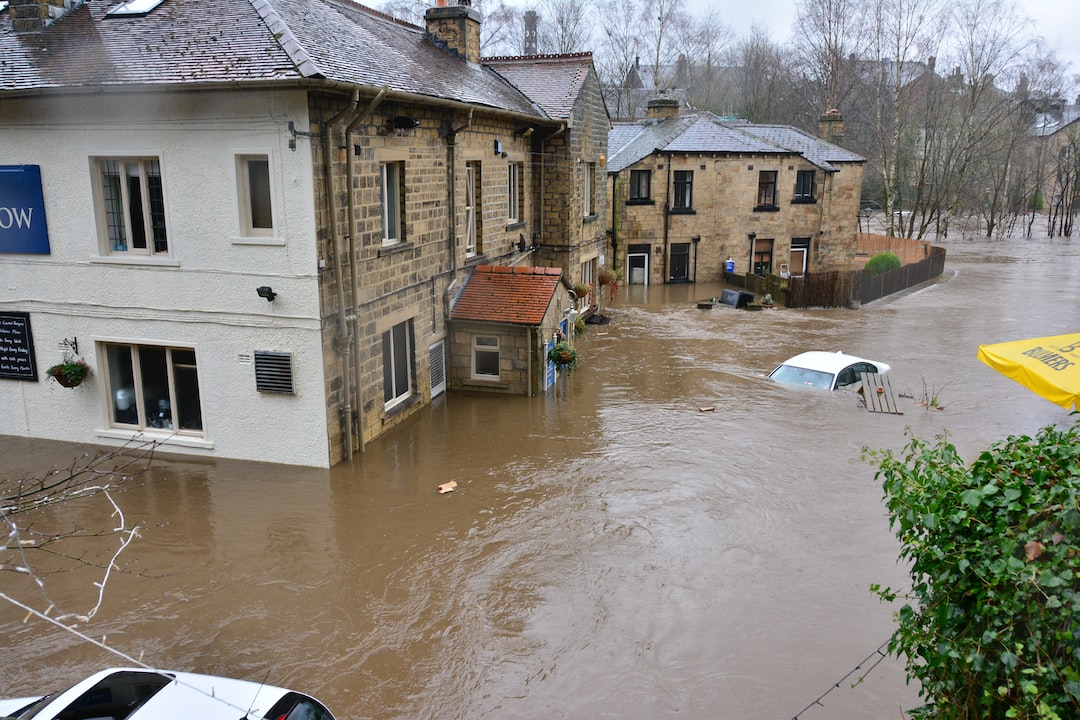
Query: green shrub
[882,262]
[992,627]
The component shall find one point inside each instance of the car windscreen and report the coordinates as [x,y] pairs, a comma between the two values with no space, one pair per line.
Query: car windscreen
[116,696]
[792,375]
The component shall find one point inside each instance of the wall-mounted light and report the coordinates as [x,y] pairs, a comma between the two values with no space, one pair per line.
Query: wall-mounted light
[405,122]
[267,292]
[498,147]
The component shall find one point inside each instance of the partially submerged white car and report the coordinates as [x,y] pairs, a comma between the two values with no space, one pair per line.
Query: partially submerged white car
[825,370]
[139,694]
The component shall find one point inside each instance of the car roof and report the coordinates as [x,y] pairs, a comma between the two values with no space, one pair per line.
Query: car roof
[829,362]
[189,695]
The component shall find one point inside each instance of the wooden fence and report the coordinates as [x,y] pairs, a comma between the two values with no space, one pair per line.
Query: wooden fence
[848,288]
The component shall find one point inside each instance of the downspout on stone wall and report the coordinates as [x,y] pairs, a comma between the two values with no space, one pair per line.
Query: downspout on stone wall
[667,223]
[354,280]
[451,190]
[341,340]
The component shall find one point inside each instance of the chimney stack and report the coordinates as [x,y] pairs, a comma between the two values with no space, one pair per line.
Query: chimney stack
[31,16]
[831,127]
[662,108]
[532,23]
[455,27]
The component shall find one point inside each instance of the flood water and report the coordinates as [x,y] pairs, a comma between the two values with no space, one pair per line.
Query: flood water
[611,549]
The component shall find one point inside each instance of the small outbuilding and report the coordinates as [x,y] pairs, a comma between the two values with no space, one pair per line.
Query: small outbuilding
[502,325]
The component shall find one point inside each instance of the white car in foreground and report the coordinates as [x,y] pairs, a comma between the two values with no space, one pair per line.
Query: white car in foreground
[825,370]
[139,694]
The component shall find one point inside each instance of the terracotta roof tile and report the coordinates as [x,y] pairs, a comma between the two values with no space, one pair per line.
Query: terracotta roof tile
[512,295]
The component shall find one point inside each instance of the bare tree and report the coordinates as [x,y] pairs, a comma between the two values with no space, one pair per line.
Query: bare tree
[660,19]
[33,548]
[834,39]
[565,26]
[762,81]
[902,31]
[619,48]
[701,42]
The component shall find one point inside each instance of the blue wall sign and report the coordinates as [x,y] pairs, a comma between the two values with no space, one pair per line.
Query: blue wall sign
[22,210]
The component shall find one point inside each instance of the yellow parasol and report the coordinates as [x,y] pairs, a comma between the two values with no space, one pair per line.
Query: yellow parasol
[1050,366]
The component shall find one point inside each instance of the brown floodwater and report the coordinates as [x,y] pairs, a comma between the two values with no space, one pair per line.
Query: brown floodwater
[611,550]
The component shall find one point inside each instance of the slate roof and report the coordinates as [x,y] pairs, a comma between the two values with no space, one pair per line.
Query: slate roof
[708,134]
[508,295]
[553,81]
[186,42]
[1047,124]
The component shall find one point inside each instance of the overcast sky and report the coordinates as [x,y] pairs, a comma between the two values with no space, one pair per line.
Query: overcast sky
[1056,20]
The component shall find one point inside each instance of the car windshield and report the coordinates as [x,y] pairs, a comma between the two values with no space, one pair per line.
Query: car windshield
[793,375]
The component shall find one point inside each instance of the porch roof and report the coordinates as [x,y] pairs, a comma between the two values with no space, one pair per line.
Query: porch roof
[508,295]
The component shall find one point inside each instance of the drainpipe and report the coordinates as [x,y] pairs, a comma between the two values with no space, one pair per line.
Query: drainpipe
[354,279]
[451,187]
[341,341]
[667,222]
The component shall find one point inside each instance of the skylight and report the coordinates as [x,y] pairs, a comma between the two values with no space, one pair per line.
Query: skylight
[133,8]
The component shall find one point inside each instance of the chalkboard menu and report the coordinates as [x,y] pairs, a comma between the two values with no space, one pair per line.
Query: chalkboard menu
[17,347]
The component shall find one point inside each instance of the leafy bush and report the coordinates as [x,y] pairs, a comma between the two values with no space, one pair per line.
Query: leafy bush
[882,262]
[993,629]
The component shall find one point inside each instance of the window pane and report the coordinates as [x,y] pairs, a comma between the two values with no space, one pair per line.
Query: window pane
[135,207]
[259,193]
[155,386]
[186,382]
[401,360]
[114,204]
[157,205]
[487,363]
[124,401]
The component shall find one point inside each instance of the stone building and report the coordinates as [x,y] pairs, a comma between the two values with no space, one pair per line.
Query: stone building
[694,195]
[253,219]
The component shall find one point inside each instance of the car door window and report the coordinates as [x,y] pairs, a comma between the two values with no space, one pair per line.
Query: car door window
[846,377]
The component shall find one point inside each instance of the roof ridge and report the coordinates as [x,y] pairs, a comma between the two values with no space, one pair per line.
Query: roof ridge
[539,56]
[284,37]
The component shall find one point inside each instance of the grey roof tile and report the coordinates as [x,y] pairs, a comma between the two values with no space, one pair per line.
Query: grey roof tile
[707,133]
[241,41]
[553,81]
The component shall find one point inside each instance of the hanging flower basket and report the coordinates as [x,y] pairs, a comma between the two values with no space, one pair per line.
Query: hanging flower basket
[70,372]
[564,356]
[582,290]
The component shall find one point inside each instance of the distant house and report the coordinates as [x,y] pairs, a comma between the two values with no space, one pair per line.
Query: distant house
[1055,153]
[692,193]
[254,219]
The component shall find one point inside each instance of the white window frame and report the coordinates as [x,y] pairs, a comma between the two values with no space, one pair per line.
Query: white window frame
[397,353]
[120,210]
[472,209]
[127,401]
[392,181]
[486,345]
[513,192]
[255,195]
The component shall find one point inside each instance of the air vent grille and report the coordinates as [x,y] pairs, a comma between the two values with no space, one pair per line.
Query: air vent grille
[273,372]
